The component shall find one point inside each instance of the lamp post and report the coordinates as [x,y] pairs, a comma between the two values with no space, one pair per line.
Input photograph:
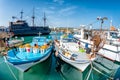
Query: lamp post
[102,20]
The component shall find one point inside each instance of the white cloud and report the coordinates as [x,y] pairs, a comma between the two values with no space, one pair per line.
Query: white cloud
[59,1]
[52,7]
[48,11]
[68,10]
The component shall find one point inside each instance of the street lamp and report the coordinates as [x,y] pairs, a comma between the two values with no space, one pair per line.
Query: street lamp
[102,20]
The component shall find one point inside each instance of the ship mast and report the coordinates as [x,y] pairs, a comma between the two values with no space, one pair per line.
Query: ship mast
[110,23]
[33,17]
[21,15]
[44,18]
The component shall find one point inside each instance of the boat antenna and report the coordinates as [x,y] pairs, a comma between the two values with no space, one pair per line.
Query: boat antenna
[67,30]
[110,23]
[33,17]
[39,34]
[102,20]
[21,14]
[44,18]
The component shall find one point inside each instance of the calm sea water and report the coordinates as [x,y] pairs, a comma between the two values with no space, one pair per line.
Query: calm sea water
[104,70]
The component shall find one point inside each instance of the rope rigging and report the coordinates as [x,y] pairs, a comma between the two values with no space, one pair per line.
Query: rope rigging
[99,39]
[10,68]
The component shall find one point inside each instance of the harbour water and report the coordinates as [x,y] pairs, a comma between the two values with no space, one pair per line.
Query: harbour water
[103,70]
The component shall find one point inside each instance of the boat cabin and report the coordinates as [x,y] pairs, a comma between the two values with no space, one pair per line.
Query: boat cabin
[39,40]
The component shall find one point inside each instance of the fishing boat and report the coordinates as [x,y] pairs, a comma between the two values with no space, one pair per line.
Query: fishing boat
[71,52]
[14,42]
[111,47]
[37,51]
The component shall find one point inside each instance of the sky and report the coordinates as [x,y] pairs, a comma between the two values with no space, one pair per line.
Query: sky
[62,13]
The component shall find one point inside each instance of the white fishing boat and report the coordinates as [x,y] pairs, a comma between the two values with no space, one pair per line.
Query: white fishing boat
[111,48]
[14,42]
[70,52]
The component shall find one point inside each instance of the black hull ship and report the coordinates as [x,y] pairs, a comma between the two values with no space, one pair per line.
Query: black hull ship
[21,28]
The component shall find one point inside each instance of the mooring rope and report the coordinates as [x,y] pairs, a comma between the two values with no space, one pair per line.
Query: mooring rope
[10,69]
[102,73]
[1,62]
[89,71]
[93,68]
[89,74]
[112,65]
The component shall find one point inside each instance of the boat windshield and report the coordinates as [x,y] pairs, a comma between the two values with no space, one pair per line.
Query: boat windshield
[114,35]
[39,39]
[68,40]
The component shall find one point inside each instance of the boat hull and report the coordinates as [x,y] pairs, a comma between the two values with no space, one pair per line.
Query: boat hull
[31,32]
[35,72]
[21,28]
[74,74]
[16,58]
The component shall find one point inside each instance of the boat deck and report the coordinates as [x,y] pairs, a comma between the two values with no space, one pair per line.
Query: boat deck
[79,66]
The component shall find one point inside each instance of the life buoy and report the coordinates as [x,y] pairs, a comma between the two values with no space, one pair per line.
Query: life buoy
[119,40]
[44,47]
[12,33]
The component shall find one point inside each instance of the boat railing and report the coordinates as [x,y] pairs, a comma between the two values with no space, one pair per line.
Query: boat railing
[39,49]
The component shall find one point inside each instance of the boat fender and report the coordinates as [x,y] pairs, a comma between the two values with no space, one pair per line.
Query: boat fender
[119,40]
[72,58]
[4,53]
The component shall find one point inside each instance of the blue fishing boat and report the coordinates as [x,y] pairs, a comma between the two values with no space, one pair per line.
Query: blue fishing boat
[39,50]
